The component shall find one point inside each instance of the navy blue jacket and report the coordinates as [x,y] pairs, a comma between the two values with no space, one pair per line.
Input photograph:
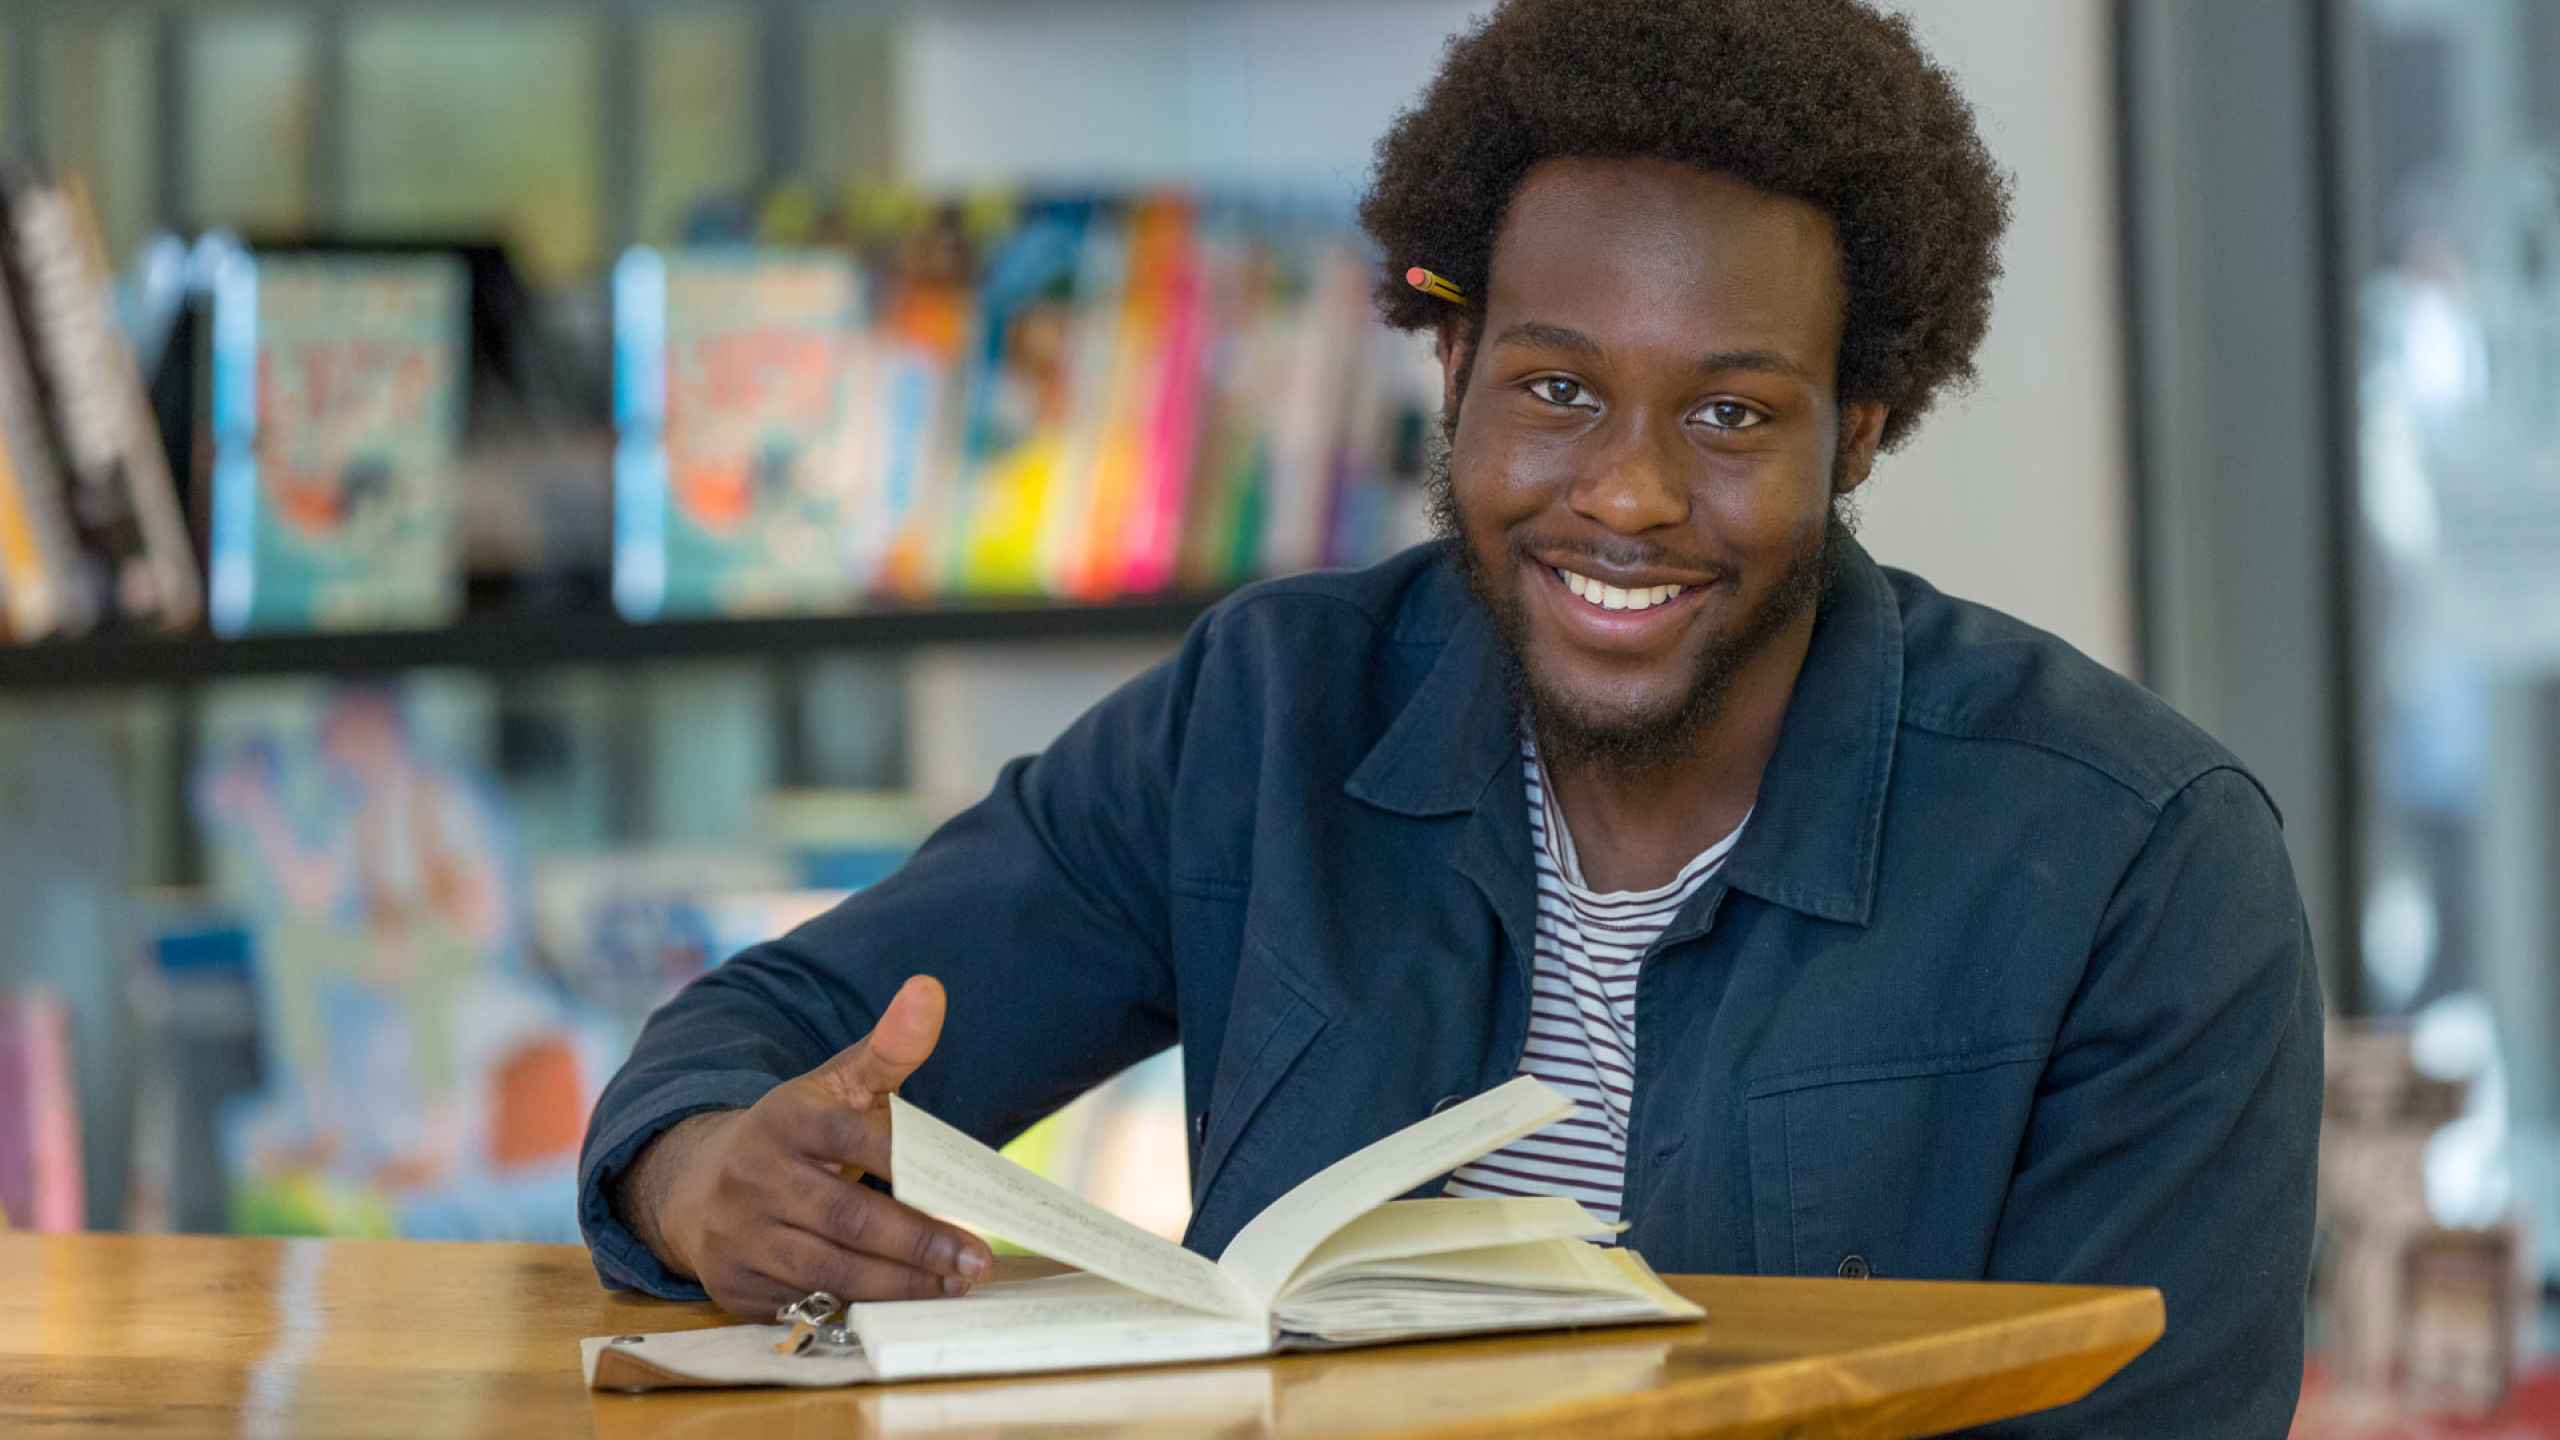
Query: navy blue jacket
[2007,978]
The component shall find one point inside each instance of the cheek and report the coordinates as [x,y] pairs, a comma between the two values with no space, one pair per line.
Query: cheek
[1487,482]
[1768,504]
[1503,475]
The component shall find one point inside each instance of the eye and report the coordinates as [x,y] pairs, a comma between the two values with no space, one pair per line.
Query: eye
[1730,415]
[1563,392]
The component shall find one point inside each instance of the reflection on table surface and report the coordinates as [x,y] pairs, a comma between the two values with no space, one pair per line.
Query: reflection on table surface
[192,1335]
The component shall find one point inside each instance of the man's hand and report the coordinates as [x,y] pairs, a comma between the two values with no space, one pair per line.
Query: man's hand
[762,1206]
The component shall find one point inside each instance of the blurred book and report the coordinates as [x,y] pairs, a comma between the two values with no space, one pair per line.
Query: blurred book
[193,998]
[336,413]
[1037,364]
[740,465]
[47,587]
[90,523]
[923,256]
[423,1077]
[1080,396]
[40,1176]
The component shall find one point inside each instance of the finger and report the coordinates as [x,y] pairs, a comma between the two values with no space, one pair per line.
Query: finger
[813,1122]
[799,1262]
[868,1222]
[903,1039]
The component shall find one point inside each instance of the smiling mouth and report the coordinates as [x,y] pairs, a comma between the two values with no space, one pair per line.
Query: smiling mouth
[1613,597]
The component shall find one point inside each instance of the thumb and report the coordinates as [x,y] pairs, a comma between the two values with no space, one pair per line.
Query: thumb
[901,1040]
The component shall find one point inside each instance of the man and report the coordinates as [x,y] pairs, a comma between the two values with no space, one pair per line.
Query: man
[1874,932]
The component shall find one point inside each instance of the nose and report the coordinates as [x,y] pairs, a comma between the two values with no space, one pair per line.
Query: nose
[1635,484]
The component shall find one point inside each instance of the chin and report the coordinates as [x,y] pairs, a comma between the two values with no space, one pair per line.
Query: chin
[1578,723]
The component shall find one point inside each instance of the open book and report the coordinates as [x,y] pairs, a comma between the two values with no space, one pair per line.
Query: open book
[1336,1261]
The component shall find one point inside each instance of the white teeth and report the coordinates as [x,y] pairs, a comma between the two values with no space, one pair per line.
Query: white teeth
[1613,598]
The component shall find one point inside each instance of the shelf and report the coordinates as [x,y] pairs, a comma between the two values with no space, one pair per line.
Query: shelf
[516,642]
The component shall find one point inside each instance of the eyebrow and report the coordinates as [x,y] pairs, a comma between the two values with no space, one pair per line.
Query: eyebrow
[1564,337]
[1549,337]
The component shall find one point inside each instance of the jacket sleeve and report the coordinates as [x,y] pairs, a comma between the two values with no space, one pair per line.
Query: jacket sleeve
[1042,910]
[2174,1140]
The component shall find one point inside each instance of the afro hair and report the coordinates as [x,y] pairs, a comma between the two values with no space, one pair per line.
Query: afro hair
[1829,101]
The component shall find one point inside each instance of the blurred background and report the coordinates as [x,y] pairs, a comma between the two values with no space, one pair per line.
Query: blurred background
[503,504]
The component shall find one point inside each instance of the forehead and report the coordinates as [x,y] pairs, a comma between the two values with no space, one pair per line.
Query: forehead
[1631,250]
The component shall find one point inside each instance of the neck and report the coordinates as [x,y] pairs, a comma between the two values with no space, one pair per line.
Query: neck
[1634,827]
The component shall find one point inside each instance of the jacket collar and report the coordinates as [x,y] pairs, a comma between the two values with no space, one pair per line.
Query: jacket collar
[1818,826]
[1454,737]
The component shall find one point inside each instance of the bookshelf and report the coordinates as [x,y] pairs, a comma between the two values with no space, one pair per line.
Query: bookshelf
[524,641]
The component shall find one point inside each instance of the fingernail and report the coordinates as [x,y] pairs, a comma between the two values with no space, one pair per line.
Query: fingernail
[946,1254]
[973,1263]
[954,1285]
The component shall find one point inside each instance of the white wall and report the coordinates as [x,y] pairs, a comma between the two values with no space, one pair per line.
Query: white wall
[2016,494]
[2013,495]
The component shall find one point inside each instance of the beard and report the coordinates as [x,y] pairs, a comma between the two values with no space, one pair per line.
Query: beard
[1569,733]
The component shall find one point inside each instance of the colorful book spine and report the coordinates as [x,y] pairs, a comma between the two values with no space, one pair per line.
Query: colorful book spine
[1033,326]
[1104,392]
[50,590]
[40,1172]
[1322,368]
[1221,537]
[742,401]
[337,413]
[1151,545]
[121,503]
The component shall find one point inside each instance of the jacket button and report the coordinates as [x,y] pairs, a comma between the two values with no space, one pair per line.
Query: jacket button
[1444,1102]
[1200,1128]
[1855,1268]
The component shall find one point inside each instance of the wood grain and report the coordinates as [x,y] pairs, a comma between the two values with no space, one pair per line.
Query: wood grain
[103,1334]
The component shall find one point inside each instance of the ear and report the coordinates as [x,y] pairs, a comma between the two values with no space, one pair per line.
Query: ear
[1861,431]
[1452,345]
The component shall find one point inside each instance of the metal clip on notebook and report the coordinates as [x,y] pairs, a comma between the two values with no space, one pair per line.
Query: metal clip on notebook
[809,1318]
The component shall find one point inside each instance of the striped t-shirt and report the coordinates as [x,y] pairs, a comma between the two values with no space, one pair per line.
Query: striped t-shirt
[1582,1015]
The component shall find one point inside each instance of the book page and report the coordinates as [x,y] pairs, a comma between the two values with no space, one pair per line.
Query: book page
[937,1169]
[1268,1251]
[1402,1228]
[1063,1322]
[1495,1271]
[1528,1286]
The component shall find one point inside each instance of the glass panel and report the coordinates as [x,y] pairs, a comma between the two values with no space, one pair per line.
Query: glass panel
[698,112]
[478,124]
[2456,147]
[97,119]
[247,130]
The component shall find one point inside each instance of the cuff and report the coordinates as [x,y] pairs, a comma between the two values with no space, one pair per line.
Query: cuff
[622,1262]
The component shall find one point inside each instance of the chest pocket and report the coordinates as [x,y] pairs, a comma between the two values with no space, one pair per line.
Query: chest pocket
[1895,1168]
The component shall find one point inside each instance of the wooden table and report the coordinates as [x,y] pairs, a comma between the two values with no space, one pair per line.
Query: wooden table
[119,1335]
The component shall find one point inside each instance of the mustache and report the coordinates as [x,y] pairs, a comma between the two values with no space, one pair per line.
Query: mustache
[1621,557]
